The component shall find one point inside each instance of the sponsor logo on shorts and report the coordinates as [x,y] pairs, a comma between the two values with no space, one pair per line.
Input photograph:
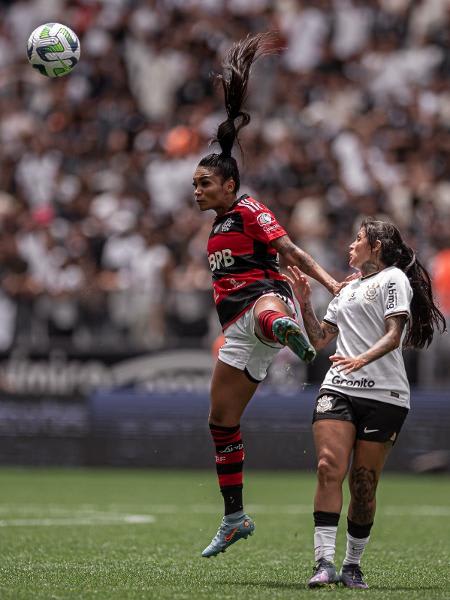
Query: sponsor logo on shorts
[362,383]
[324,403]
[370,430]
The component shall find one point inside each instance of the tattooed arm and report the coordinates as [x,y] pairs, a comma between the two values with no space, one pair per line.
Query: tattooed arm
[390,341]
[295,256]
[320,334]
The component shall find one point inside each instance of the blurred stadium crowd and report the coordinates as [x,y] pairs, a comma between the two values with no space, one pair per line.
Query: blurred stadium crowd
[101,244]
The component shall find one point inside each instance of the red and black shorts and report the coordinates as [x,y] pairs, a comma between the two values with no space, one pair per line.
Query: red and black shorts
[375,421]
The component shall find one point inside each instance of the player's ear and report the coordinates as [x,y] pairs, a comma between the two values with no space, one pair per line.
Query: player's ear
[230,185]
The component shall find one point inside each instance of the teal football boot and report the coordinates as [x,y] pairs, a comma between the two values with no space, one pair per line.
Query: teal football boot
[229,532]
[288,332]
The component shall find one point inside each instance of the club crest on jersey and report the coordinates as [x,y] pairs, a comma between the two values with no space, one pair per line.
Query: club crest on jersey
[324,403]
[264,219]
[371,292]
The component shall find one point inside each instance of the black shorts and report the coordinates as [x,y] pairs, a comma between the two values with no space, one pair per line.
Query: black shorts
[374,421]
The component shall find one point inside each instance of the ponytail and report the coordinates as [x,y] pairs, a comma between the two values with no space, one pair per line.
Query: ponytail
[235,75]
[425,316]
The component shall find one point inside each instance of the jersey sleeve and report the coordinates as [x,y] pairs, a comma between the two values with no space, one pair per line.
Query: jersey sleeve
[331,314]
[397,295]
[260,222]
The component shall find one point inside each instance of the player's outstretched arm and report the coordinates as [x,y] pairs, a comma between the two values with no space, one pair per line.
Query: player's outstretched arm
[296,256]
[320,334]
[390,341]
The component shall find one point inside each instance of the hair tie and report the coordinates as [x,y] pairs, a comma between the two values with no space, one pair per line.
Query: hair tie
[411,262]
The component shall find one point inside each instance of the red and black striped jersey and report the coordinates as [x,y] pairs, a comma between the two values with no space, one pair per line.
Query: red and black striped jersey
[243,263]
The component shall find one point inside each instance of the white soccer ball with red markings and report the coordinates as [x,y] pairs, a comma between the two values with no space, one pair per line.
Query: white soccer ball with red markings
[53,49]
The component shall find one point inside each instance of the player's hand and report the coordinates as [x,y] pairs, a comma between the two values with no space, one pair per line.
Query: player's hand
[346,281]
[299,283]
[347,364]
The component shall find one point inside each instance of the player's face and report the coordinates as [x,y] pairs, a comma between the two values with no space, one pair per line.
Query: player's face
[360,251]
[211,192]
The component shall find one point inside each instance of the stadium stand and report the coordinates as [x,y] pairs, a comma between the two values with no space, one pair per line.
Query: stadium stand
[101,246]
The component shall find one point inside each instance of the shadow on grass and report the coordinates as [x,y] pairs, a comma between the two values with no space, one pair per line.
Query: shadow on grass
[303,586]
[274,585]
[391,588]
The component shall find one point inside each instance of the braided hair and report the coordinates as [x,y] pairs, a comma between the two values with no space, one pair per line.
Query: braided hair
[425,316]
[236,68]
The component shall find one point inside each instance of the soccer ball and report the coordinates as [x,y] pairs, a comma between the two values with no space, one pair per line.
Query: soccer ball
[53,49]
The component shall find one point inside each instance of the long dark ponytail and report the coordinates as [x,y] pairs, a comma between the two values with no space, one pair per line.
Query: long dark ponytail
[425,316]
[235,74]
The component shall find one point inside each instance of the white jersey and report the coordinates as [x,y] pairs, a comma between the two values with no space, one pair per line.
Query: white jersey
[359,311]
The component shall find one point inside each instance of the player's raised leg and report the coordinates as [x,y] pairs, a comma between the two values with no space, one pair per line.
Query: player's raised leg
[274,322]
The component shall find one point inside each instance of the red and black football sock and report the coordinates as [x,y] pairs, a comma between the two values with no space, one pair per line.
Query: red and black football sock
[265,322]
[229,464]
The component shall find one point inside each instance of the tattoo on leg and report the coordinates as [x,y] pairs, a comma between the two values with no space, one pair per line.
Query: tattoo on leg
[363,485]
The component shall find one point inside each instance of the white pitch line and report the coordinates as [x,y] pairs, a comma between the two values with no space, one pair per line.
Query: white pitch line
[417,511]
[28,515]
[302,509]
[299,509]
[99,520]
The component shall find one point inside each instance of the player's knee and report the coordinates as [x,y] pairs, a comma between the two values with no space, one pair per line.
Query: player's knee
[328,469]
[222,418]
[271,302]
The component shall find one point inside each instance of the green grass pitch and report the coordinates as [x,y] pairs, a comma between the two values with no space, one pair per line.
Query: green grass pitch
[138,534]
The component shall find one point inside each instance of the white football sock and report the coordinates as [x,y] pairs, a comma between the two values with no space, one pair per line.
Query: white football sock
[325,542]
[355,549]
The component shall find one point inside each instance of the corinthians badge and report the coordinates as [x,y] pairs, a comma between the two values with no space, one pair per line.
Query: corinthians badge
[324,403]
[371,291]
